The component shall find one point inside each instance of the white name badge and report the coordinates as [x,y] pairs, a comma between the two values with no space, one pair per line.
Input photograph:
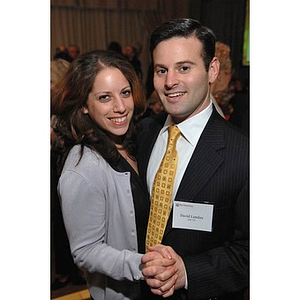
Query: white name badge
[194,216]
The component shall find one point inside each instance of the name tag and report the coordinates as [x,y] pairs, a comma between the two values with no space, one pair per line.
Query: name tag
[194,216]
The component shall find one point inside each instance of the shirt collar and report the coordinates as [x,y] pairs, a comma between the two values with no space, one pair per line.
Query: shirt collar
[191,128]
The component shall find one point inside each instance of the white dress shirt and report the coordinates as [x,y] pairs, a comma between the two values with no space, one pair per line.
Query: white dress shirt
[191,130]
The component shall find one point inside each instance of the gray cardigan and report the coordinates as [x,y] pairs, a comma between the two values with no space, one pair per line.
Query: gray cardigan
[99,217]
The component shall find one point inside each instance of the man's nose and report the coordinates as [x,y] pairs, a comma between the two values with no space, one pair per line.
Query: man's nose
[171,80]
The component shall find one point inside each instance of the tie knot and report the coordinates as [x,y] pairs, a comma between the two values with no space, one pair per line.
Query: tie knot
[174,134]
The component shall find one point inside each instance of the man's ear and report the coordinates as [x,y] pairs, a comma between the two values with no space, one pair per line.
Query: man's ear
[214,68]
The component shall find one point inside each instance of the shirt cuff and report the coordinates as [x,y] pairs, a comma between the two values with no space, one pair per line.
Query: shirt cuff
[186,281]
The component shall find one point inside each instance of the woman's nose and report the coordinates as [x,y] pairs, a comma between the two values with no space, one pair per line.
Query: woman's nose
[119,104]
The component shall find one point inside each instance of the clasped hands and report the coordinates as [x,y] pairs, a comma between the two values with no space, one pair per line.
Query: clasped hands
[164,270]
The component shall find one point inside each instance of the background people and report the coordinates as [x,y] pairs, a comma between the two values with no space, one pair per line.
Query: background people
[68,54]
[115,46]
[154,106]
[102,199]
[73,51]
[58,69]
[62,54]
[131,53]
[64,269]
[220,88]
[211,181]
[241,106]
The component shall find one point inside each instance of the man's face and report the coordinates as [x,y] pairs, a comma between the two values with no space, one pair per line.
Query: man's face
[180,78]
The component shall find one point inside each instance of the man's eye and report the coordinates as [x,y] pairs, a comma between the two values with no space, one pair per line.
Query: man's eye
[184,68]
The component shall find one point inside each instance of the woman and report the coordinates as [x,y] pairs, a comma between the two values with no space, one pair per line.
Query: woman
[103,203]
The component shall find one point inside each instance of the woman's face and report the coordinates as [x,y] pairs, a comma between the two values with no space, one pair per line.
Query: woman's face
[110,104]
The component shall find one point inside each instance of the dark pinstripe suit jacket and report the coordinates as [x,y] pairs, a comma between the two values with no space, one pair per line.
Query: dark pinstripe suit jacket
[217,262]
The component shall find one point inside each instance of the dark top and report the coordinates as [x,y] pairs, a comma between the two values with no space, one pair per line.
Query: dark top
[140,200]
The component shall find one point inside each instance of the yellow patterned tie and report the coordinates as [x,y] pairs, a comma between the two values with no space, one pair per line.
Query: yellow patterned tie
[162,190]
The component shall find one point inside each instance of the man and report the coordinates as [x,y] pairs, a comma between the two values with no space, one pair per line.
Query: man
[207,230]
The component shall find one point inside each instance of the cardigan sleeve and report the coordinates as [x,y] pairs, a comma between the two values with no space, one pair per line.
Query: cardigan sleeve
[84,211]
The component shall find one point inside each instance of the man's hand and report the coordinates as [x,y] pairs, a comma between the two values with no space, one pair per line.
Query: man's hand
[164,270]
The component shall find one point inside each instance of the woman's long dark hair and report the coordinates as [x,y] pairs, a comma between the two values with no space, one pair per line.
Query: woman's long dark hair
[72,126]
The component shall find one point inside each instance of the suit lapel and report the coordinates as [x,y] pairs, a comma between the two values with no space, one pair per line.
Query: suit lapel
[204,162]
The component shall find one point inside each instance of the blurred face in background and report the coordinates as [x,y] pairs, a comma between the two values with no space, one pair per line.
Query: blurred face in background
[73,51]
[155,103]
[128,52]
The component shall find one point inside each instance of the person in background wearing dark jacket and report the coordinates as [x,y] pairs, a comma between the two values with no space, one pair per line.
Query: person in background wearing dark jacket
[131,53]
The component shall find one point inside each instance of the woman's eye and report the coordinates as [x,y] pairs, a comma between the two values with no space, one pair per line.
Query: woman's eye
[126,93]
[161,71]
[104,98]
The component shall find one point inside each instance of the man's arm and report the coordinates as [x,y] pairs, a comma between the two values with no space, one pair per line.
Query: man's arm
[224,269]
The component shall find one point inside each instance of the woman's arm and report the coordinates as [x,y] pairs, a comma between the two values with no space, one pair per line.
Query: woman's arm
[84,211]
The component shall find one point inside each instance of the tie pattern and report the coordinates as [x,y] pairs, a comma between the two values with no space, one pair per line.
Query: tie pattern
[162,190]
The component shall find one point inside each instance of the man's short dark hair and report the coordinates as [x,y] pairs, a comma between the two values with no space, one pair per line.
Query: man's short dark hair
[186,28]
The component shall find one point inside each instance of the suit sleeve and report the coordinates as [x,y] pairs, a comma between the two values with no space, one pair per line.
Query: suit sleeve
[224,269]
